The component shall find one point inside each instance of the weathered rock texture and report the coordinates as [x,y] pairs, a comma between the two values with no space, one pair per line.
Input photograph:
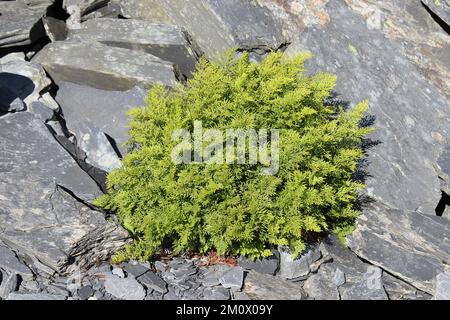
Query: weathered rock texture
[103,67]
[412,122]
[215,25]
[19,24]
[167,42]
[40,214]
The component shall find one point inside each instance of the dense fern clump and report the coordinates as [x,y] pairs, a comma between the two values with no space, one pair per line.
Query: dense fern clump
[234,209]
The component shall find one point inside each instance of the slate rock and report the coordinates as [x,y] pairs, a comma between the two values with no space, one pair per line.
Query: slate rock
[118,272]
[107,68]
[233,278]
[404,159]
[19,24]
[9,284]
[216,293]
[409,245]
[36,175]
[339,278]
[299,267]
[88,109]
[266,265]
[25,80]
[42,111]
[152,281]
[126,288]
[151,10]
[10,262]
[85,292]
[440,8]
[369,288]
[259,286]
[397,289]
[168,42]
[135,270]
[320,288]
[215,25]
[35,296]
[442,287]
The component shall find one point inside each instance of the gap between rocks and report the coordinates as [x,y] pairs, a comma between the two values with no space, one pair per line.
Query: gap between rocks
[443,204]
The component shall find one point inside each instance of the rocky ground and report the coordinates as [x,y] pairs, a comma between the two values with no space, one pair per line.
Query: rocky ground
[70,69]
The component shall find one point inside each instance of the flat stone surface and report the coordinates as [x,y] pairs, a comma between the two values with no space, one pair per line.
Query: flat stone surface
[26,80]
[232,278]
[107,68]
[268,265]
[411,246]
[440,8]
[126,289]
[10,262]
[320,288]
[168,42]
[86,108]
[85,292]
[153,281]
[19,25]
[9,284]
[300,266]
[216,293]
[412,120]
[38,216]
[35,296]
[442,287]
[215,25]
[259,286]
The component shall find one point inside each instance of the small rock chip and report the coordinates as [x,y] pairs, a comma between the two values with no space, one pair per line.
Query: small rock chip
[126,289]
[153,281]
[233,278]
[339,278]
[85,293]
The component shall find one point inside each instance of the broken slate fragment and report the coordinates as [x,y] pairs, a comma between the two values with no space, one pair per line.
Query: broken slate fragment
[152,281]
[442,287]
[126,288]
[233,278]
[168,42]
[10,262]
[300,266]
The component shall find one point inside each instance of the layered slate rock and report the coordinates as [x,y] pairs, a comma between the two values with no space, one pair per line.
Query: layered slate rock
[19,24]
[167,42]
[412,123]
[418,35]
[258,286]
[411,246]
[41,186]
[82,10]
[87,110]
[412,130]
[152,10]
[219,25]
[103,67]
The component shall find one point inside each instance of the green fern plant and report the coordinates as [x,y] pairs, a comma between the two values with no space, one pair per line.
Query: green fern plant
[233,208]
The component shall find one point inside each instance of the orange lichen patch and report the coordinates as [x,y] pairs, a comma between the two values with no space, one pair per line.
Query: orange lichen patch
[316,8]
[212,258]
